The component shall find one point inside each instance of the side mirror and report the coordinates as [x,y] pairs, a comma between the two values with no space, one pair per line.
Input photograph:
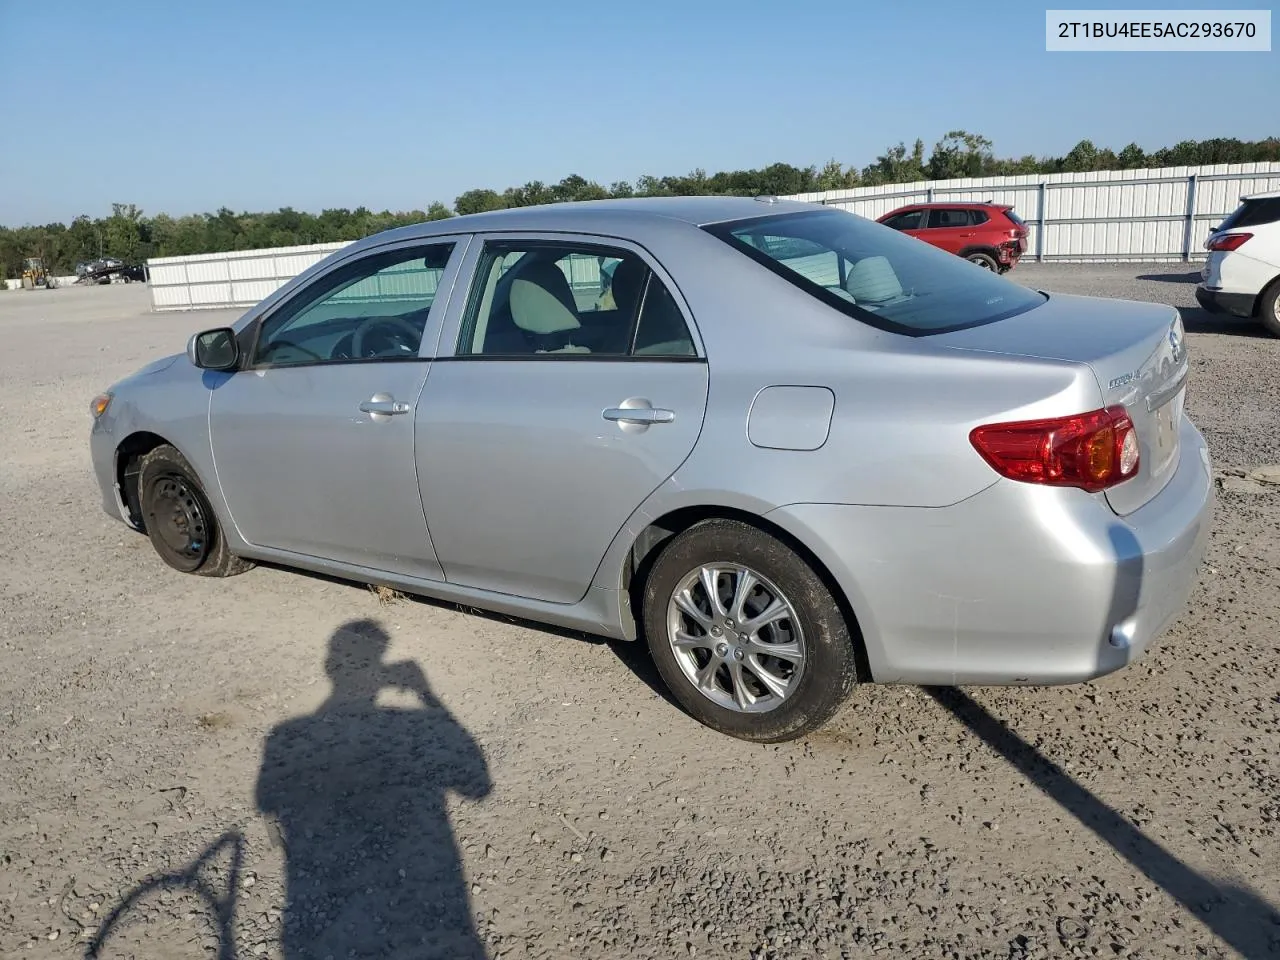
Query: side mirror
[215,349]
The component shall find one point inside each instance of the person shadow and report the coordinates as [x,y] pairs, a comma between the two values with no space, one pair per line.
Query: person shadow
[355,793]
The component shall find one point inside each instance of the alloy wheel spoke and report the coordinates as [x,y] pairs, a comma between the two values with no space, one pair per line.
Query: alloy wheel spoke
[709,577]
[773,683]
[744,583]
[791,652]
[775,611]
[687,641]
[739,684]
[684,600]
[706,677]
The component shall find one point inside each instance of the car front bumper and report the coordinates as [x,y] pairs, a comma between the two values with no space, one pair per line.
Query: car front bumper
[1019,584]
[1220,301]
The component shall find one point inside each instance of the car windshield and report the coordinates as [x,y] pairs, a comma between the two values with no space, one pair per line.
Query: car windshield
[871,272]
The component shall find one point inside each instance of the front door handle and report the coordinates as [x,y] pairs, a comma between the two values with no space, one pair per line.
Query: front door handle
[644,415]
[383,405]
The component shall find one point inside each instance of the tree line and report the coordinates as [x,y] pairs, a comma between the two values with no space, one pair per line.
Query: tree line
[129,235]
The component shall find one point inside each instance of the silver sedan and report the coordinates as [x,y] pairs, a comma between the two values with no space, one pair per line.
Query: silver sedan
[789,448]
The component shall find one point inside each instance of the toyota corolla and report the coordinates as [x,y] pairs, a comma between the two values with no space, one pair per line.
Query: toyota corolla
[788,448]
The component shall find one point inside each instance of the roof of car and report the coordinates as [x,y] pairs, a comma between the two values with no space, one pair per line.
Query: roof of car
[954,204]
[1265,195]
[586,215]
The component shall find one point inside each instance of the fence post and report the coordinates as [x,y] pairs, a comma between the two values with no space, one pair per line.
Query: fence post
[1191,218]
[1044,195]
[928,195]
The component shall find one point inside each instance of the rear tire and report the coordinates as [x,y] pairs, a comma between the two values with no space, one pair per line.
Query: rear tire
[715,660]
[984,260]
[1269,308]
[179,520]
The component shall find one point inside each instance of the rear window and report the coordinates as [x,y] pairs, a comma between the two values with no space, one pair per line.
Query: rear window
[1015,218]
[1253,213]
[884,278]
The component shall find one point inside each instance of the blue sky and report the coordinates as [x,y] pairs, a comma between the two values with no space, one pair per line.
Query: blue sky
[394,104]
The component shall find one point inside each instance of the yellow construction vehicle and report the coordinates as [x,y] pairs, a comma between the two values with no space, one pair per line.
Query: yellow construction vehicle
[34,274]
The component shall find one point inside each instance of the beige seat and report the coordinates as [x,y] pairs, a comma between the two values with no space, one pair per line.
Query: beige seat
[872,280]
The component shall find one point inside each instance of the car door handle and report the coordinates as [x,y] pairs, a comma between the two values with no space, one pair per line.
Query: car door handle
[639,415]
[379,405]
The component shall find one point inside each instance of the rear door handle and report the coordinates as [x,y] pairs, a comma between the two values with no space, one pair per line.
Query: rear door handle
[639,415]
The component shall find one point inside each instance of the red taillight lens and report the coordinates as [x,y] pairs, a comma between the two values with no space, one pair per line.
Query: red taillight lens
[1228,241]
[1092,451]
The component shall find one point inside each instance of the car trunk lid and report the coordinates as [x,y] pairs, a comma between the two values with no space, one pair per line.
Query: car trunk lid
[1137,354]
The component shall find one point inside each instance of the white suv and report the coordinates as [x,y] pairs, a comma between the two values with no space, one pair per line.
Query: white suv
[1242,275]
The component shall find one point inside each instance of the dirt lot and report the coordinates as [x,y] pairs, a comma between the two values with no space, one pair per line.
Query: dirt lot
[464,786]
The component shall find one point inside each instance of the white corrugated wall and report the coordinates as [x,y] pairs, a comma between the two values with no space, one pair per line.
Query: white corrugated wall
[1134,215]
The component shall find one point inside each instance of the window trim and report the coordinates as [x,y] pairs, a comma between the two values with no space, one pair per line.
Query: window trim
[723,231]
[460,242]
[452,327]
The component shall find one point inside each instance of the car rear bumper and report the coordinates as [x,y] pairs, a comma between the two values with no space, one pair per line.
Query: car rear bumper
[1019,584]
[1220,301]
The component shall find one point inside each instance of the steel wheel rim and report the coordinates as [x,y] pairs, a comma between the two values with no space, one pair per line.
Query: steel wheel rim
[982,262]
[177,515]
[736,637]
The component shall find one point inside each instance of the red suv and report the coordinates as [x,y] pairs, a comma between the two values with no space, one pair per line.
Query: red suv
[988,234]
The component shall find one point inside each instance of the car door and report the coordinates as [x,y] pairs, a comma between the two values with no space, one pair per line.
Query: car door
[313,440]
[576,387]
[950,228]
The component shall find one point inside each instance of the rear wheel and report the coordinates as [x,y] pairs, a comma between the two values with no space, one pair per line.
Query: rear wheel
[178,518]
[984,260]
[745,634]
[1269,308]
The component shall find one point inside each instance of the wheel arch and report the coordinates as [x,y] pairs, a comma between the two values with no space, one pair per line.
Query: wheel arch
[990,251]
[647,545]
[129,454]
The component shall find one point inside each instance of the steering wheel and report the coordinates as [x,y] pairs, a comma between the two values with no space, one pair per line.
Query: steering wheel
[399,323]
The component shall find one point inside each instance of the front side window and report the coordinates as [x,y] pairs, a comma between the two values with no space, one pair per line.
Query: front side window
[884,278]
[565,300]
[374,308]
[911,220]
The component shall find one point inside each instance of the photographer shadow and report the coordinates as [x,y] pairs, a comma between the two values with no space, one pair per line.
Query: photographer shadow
[357,795]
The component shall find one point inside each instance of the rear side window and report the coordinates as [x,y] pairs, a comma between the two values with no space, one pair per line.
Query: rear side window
[881,277]
[1254,213]
[978,216]
[947,217]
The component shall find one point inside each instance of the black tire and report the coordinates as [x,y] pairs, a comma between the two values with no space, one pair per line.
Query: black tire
[829,671]
[179,521]
[984,260]
[1269,308]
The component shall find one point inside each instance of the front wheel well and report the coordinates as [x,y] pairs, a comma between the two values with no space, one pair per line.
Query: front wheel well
[129,455]
[644,551]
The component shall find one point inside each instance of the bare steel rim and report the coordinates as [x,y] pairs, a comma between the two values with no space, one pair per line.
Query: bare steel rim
[981,261]
[736,637]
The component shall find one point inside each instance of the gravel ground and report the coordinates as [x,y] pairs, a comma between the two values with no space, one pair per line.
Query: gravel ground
[458,785]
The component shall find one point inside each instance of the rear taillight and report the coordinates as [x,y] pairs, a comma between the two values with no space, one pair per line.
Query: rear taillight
[1227,241]
[1092,451]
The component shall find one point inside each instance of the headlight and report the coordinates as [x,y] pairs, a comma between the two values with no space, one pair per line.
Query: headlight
[99,405]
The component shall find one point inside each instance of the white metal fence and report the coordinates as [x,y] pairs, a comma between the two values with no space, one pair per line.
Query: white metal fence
[1123,215]
[1126,215]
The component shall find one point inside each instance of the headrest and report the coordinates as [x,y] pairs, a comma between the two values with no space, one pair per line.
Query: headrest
[541,299]
[872,280]
[628,280]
